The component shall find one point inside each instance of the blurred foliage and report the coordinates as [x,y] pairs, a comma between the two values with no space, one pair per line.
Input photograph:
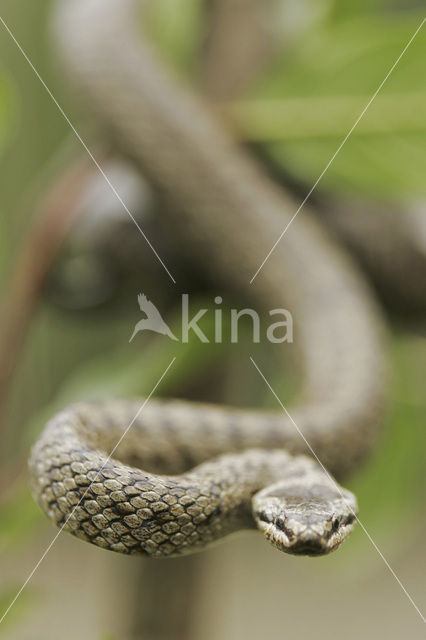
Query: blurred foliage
[316,91]
[309,98]
[7,107]
[175,26]
[323,84]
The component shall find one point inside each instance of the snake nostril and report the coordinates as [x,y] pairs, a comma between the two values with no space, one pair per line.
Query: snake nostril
[335,524]
[279,522]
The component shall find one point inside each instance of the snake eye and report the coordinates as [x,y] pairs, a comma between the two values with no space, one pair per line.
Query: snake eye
[336,523]
[262,516]
[279,522]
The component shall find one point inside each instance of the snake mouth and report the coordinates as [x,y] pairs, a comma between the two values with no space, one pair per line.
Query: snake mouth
[312,547]
[307,549]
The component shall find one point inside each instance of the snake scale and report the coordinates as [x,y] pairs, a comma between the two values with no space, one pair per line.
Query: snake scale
[187,474]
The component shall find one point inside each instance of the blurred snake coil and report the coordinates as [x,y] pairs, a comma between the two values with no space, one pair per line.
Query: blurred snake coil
[187,474]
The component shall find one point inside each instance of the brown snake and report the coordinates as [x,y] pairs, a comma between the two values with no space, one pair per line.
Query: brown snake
[227,469]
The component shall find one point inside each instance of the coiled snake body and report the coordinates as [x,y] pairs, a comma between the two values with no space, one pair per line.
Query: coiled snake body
[227,469]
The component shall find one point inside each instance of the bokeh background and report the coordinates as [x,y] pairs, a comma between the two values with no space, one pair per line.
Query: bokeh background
[319,61]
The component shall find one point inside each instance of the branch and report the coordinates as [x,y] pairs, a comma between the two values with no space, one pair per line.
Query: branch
[52,222]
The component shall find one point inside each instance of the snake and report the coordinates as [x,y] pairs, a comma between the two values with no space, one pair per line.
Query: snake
[165,477]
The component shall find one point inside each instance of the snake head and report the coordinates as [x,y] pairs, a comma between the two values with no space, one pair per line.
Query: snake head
[311,518]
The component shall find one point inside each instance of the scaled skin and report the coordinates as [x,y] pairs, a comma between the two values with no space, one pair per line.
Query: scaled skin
[116,504]
[310,516]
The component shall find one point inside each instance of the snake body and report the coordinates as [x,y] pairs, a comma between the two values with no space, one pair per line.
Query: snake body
[187,474]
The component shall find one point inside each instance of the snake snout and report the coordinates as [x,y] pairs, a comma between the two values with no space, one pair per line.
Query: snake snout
[309,544]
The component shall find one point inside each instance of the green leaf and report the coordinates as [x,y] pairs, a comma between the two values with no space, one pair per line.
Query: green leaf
[313,95]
